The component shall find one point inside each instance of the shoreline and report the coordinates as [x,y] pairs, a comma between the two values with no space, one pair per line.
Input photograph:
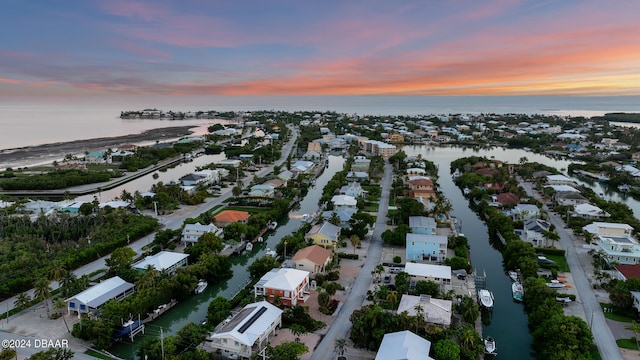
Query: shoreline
[47,153]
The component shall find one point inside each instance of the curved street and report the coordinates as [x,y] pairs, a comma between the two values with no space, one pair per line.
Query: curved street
[593,314]
[340,328]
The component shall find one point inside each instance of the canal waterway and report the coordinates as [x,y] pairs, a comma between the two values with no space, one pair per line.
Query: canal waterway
[508,321]
[195,308]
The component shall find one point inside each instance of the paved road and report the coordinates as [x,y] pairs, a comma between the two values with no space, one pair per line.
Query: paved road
[340,327]
[593,313]
[170,223]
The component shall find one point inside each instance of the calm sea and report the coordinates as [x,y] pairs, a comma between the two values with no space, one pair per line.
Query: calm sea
[28,124]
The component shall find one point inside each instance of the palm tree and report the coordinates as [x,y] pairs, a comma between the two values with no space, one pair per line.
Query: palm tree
[392,298]
[56,272]
[43,292]
[340,346]
[355,241]
[148,279]
[22,301]
[420,315]
[297,331]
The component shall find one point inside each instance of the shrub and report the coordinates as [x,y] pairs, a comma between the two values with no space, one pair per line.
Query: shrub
[397,259]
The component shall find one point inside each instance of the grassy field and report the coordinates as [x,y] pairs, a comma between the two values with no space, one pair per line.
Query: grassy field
[561,261]
[627,344]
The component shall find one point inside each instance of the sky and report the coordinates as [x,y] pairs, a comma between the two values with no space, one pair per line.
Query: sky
[124,49]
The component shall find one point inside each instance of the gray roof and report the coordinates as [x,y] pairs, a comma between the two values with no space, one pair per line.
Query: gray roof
[404,345]
[102,292]
[537,225]
[161,261]
[421,222]
[327,229]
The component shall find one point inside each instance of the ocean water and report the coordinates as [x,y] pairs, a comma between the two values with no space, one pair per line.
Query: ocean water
[34,123]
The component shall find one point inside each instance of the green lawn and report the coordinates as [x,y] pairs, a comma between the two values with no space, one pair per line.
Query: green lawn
[371,207]
[561,261]
[627,344]
[250,210]
[615,316]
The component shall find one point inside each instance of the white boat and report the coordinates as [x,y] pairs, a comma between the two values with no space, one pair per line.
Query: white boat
[273,225]
[466,191]
[304,217]
[490,346]
[201,286]
[485,297]
[564,300]
[271,253]
[249,246]
[555,284]
[456,174]
[518,291]
[513,275]
[624,188]
[260,239]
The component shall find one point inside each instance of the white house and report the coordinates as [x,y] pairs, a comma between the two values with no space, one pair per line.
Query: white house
[344,202]
[94,297]
[192,232]
[166,261]
[525,211]
[589,211]
[617,241]
[404,345]
[559,180]
[533,232]
[291,286]
[247,332]
[434,311]
[353,189]
[440,274]
[567,198]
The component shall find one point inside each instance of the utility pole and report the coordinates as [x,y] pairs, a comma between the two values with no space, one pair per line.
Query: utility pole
[162,343]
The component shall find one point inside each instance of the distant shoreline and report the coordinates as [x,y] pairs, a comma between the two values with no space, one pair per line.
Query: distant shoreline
[46,153]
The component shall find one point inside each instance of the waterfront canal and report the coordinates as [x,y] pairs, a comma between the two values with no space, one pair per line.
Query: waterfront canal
[195,308]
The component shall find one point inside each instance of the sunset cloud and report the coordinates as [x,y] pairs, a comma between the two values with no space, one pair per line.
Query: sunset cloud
[500,47]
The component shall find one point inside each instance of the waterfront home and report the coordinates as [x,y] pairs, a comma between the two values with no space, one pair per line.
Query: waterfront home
[570,198]
[285,175]
[313,259]
[374,147]
[302,167]
[563,188]
[416,171]
[533,232]
[361,164]
[290,286]
[525,212]
[248,332]
[440,274]
[314,146]
[559,180]
[434,311]
[357,176]
[504,199]
[192,180]
[92,299]
[421,247]
[227,217]
[325,234]
[616,241]
[72,207]
[342,202]
[589,211]
[343,214]
[276,183]
[404,345]
[353,189]
[421,187]
[422,225]
[192,232]
[211,176]
[262,190]
[312,156]
[95,157]
[164,261]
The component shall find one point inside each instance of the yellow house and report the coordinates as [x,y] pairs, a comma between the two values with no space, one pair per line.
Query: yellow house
[396,138]
[325,234]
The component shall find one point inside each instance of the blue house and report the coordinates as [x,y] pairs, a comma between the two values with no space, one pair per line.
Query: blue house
[421,247]
[422,225]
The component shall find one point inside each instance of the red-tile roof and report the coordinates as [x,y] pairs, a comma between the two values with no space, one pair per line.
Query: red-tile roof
[314,253]
[629,271]
[229,216]
[508,198]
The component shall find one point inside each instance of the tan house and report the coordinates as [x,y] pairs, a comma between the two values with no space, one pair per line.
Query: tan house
[313,259]
[396,138]
[315,146]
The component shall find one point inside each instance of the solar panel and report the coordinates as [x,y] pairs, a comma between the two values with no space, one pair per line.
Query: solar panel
[252,319]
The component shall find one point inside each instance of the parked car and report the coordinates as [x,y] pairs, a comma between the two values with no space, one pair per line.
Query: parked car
[387,278]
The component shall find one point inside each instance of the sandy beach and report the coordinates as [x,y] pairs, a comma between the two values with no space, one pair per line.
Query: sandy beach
[47,153]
